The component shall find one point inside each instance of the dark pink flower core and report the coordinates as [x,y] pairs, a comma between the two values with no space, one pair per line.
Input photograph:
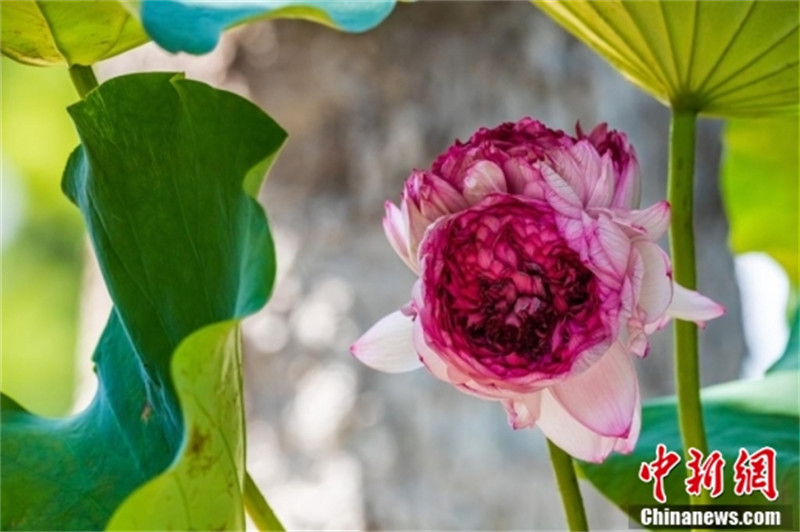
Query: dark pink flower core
[502,289]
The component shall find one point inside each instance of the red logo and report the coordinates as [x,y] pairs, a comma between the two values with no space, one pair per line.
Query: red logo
[751,472]
[705,474]
[755,472]
[658,469]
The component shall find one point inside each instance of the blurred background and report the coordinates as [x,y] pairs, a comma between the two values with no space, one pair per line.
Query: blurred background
[333,444]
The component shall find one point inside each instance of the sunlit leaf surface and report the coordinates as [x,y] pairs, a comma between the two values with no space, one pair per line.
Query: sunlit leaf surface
[55,32]
[724,58]
[52,32]
[186,252]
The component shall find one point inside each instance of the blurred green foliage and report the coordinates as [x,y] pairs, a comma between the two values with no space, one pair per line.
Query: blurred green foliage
[760,186]
[41,263]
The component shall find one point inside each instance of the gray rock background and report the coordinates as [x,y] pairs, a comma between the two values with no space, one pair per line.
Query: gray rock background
[333,444]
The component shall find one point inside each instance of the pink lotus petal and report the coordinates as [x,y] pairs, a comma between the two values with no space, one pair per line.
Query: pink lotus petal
[578,165]
[632,285]
[559,193]
[432,361]
[481,179]
[524,410]
[629,186]
[654,220]
[637,343]
[615,144]
[523,179]
[501,391]
[537,281]
[657,325]
[570,435]
[439,198]
[689,305]
[609,248]
[415,224]
[395,231]
[602,398]
[601,192]
[626,445]
[650,223]
[656,291]
[388,346]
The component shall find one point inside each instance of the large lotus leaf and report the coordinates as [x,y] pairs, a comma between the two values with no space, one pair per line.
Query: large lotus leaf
[164,179]
[55,32]
[761,188]
[722,58]
[741,414]
[50,32]
[195,26]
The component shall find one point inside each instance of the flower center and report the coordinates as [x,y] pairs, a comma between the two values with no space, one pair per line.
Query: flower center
[508,292]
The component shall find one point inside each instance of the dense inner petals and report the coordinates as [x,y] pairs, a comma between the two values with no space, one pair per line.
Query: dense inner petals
[504,290]
[527,140]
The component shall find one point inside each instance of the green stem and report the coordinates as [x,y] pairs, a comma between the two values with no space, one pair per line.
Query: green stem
[680,190]
[257,507]
[83,78]
[568,488]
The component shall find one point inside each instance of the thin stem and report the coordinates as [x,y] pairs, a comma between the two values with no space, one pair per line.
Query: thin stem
[83,78]
[680,190]
[568,488]
[257,507]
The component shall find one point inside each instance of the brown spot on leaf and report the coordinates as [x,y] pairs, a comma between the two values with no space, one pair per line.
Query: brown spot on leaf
[147,411]
[198,441]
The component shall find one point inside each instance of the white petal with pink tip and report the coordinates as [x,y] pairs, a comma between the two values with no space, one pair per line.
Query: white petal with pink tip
[689,305]
[395,230]
[388,346]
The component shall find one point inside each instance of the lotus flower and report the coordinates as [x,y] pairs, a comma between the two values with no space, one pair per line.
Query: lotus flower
[539,281]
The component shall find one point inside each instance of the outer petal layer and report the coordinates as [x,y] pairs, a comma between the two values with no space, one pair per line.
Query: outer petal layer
[569,434]
[656,290]
[604,397]
[523,411]
[395,229]
[689,305]
[388,345]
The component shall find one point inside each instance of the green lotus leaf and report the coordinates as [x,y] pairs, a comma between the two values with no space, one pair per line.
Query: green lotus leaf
[195,26]
[58,32]
[55,32]
[721,58]
[164,178]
